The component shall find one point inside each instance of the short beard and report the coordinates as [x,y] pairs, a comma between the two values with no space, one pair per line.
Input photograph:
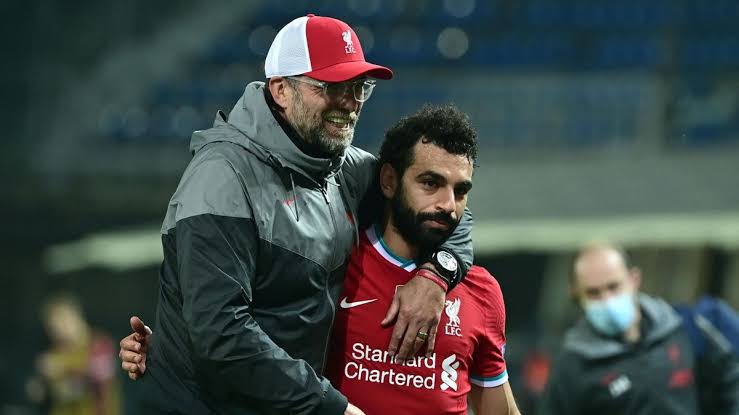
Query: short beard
[410,224]
[313,131]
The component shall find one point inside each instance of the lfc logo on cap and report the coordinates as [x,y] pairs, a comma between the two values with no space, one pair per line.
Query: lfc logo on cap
[347,36]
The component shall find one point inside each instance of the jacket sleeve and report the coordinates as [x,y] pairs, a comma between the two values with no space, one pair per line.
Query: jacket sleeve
[362,170]
[717,371]
[561,396]
[460,244]
[234,359]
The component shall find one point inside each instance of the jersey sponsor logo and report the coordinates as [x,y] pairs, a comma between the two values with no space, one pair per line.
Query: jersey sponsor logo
[373,365]
[452,312]
[449,373]
[365,368]
[346,304]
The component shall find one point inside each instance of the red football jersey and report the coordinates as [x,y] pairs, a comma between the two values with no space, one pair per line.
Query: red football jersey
[470,341]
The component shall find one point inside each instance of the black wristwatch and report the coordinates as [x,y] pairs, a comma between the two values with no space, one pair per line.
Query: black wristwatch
[446,266]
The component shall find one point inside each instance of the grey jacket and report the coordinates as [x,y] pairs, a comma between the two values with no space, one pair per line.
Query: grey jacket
[256,240]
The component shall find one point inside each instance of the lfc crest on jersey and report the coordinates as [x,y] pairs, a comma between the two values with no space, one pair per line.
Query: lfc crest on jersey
[452,312]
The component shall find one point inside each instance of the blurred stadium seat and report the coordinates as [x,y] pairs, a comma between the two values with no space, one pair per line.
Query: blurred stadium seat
[467,37]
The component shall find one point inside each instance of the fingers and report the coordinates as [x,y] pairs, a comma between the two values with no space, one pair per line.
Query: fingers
[421,338]
[133,355]
[139,327]
[392,312]
[130,367]
[132,344]
[397,337]
[130,357]
[353,410]
[431,342]
[408,342]
[134,367]
[132,361]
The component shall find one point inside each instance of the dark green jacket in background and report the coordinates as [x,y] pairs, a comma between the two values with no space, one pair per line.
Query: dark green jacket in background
[659,375]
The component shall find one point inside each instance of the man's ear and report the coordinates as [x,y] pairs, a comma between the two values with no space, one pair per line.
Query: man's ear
[388,180]
[280,90]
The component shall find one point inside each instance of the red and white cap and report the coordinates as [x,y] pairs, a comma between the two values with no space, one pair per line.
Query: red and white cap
[322,48]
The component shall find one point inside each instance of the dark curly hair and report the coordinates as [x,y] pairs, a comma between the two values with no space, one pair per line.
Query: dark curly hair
[442,125]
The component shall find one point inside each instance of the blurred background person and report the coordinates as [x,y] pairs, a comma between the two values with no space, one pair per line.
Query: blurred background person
[631,353]
[76,373]
[598,119]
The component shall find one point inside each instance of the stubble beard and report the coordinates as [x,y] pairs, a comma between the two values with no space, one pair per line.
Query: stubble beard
[410,224]
[312,130]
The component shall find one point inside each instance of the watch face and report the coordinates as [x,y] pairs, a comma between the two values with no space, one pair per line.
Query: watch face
[446,260]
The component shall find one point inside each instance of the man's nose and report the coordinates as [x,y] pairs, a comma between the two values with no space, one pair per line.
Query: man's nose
[447,200]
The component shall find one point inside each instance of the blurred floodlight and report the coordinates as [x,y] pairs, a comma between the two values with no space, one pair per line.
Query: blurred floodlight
[366,37]
[141,247]
[459,8]
[261,38]
[453,43]
[116,250]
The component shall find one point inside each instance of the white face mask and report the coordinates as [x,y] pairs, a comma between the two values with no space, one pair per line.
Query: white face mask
[612,316]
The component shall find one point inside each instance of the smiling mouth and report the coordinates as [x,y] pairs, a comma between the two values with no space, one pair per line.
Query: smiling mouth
[340,121]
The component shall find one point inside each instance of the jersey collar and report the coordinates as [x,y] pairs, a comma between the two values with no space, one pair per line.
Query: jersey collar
[379,245]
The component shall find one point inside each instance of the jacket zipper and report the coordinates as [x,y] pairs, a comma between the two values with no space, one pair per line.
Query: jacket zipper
[328,278]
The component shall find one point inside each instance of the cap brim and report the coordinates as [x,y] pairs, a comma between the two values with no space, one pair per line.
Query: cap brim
[348,70]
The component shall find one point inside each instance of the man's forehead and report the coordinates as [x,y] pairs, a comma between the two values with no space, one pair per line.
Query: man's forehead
[427,155]
[600,260]
[596,275]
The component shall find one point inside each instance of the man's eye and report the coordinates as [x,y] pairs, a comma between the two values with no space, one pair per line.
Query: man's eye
[336,89]
[429,184]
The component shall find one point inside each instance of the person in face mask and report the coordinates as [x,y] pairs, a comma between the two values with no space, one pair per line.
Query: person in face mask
[631,354]
[606,290]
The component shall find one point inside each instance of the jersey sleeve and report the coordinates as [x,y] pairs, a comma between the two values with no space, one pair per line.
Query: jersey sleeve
[488,369]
